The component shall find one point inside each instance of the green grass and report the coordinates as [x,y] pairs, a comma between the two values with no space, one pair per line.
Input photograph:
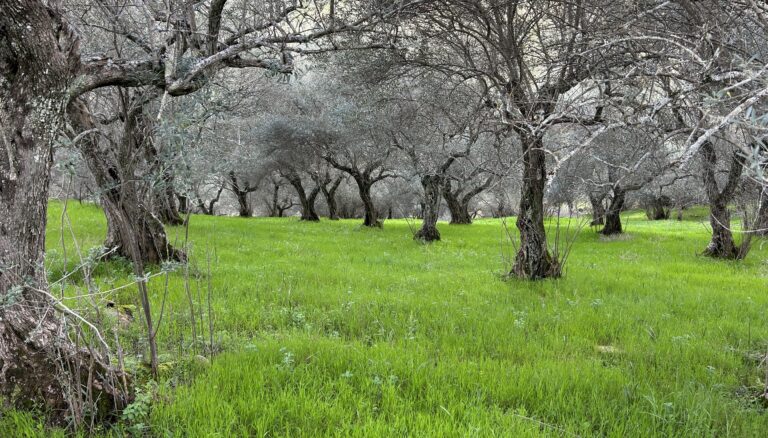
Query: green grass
[330,329]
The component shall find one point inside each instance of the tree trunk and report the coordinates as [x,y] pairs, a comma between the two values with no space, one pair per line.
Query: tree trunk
[658,208]
[274,202]
[428,231]
[307,202]
[459,211]
[598,209]
[312,199]
[371,215]
[39,363]
[721,245]
[208,210]
[330,197]
[244,210]
[328,187]
[127,220]
[128,217]
[330,200]
[163,195]
[165,202]
[183,203]
[613,214]
[533,260]
[241,194]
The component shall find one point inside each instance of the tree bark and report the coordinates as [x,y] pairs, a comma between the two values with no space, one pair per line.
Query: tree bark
[598,209]
[183,203]
[209,209]
[128,217]
[163,195]
[371,218]
[365,178]
[244,210]
[39,363]
[330,197]
[307,201]
[241,194]
[428,231]
[275,205]
[613,213]
[722,244]
[165,202]
[658,208]
[533,260]
[458,209]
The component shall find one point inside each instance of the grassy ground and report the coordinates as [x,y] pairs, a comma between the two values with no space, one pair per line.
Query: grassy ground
[330,329]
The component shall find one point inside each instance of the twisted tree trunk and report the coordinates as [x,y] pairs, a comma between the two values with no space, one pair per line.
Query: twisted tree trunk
[598,209]
[163,195]
[243,208]
[183,203]
[128,216]
[241,194]
[722,244]
[533,260]
[209,209]
[371,218]
[307,201]
[428,231]
[276,206]
[330,197]
[39,364]
[459,210]
[658,208]
[613,213]
[165,201]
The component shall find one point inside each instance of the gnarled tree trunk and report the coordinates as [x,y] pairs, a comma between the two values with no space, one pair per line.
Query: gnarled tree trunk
[165,202]
[39,364]
[276,206]
[209,209]
[183,203]
[128,216]
[613,213]
[330,197]
[533,260]
[598,209]
[658,208]
[163,195]
[371,218]
[459,210]
[722,244]
[243,208]
[428,231]
[241,192]
[307,201]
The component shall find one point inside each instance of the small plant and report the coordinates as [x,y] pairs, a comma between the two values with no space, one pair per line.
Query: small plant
[288,361]
[136,414]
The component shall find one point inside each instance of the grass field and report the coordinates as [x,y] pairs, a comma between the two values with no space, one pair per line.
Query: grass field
[329,329]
